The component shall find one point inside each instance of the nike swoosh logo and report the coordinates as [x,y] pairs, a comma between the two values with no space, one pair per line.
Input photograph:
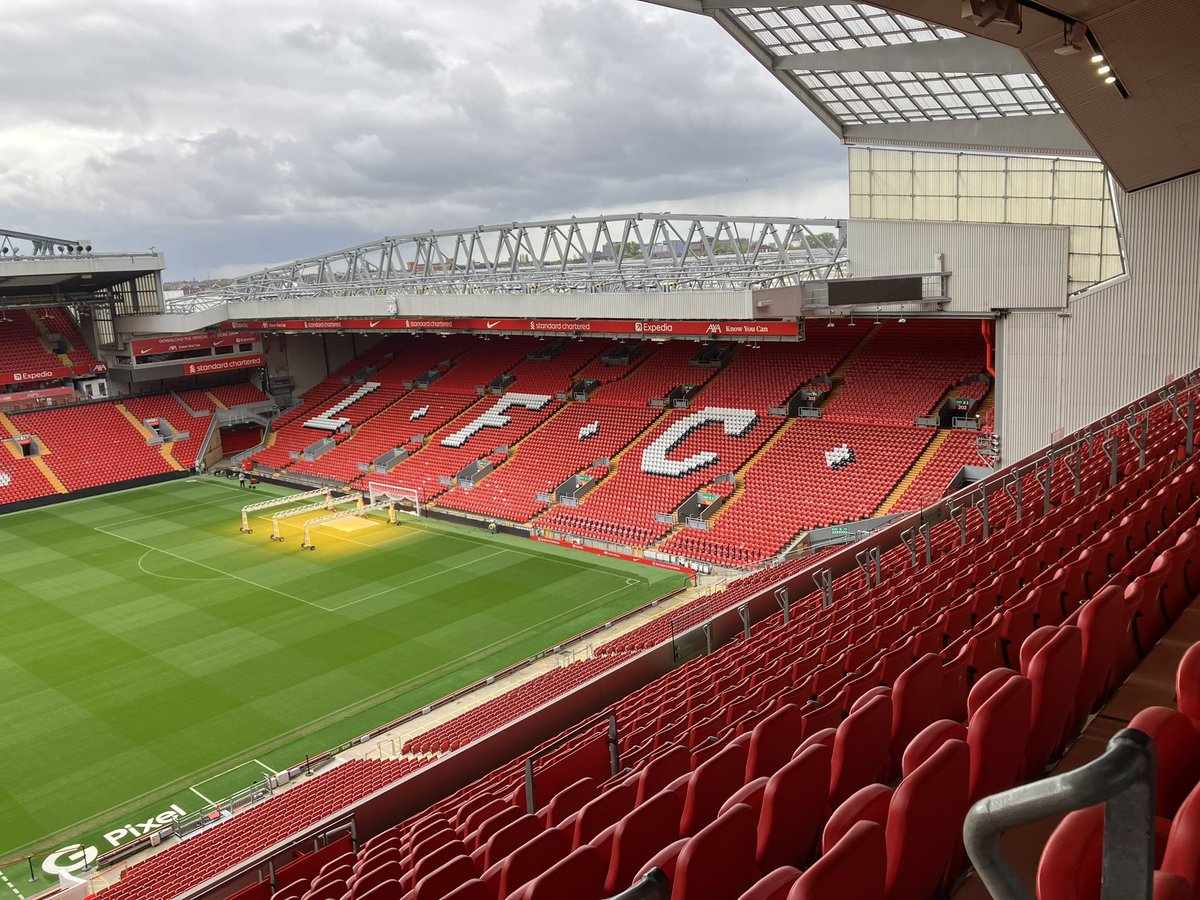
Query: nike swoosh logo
[376,322]
[494,324]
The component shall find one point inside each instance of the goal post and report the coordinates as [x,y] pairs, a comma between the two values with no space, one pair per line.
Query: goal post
[401,499]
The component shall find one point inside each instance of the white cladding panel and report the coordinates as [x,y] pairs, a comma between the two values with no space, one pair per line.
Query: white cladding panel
[993,266]
[1120,341]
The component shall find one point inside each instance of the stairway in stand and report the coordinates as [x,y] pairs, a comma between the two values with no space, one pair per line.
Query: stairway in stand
[911,475]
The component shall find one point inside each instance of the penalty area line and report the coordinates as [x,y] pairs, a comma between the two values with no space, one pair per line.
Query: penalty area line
[261,587]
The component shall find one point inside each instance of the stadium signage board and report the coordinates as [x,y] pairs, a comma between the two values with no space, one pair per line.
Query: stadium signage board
[51,373]
[205,366]
[180,343]
[779,328]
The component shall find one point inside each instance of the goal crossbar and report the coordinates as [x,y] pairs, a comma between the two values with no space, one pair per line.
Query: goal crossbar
[404,499]
[279,501]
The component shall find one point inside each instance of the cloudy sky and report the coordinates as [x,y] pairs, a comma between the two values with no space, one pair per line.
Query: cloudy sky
[237,134]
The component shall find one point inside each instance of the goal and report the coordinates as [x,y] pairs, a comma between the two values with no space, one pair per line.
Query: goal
[405,500]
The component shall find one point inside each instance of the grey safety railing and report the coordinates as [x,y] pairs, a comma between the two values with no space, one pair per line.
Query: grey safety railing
[654,886]
[1123,778]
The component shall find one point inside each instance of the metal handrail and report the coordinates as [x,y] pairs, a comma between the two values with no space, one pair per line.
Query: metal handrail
[654,886]
[1124,776]
[614,752]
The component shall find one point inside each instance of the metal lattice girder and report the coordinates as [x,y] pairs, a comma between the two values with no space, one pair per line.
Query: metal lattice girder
[631,252]
[17,244]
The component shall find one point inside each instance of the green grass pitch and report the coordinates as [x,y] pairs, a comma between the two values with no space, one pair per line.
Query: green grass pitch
[149,648]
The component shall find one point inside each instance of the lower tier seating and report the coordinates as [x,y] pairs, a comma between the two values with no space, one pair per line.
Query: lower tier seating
[624,506]
[795,485]
[167,407]
[21,349]
[563,447]
[956,451]
[237,394]
[92,445]
[21,479]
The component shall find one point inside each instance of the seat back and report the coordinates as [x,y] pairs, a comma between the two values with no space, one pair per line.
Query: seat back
[569,800]
[709,786]
[596,815]
[861,748]
[579,875]
[1054,668]
[795,807]
[996,733]
[773,741]
[856,866]
[530,860]
[718,863]
[916,701]
[640,834]
[924,825]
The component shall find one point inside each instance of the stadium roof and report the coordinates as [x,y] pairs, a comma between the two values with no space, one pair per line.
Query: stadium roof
[39,270]
[917,73]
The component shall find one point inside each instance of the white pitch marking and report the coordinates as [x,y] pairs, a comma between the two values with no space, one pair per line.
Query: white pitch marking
[261,587]
[201,796]
[142,559]
[398,587]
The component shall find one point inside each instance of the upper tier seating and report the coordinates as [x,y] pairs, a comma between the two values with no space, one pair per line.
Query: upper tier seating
[659,370]
[792,487]
[59,320]
[904,370]
[898,705]
[92,445]
[957,450]
[762,376]
[237,394]
[20,347]
[548,457]
[167,407]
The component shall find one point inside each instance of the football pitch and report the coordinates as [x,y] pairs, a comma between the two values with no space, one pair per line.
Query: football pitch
[151,654]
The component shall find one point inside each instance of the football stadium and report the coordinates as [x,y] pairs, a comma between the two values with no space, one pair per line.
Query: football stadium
[647,555]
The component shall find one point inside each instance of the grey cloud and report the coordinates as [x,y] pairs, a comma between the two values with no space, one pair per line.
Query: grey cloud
[242,133]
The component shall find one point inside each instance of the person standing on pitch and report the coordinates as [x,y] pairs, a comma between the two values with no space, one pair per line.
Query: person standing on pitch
[241,479]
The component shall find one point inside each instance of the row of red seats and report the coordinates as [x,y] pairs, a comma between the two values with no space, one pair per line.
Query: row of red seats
[631,497]
[92,445]
[391,428]
[21,480]
[21,349]
[499,711]
[956,451]
[659,370]
[233,395]
[211,851]
[58,320]
[792,488]
[1070,867]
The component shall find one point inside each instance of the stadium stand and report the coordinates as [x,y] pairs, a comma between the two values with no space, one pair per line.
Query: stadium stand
[20,479]
[166,407]
[92,445]
[955,450]
[233,395]
[21,347]
[837,751]
[57,320]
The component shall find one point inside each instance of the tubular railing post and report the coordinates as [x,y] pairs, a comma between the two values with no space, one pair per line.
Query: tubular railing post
[958,515]
[743,612]
[1075,464]
[1013,487]
[876,556]
[1112,449]
[1190,422]
[654,886]
[982,506]
[823,579]
[1124,774]
[927,533]
[708,639]
[909,536]
[1138,433]
[781,596]
[1045,478]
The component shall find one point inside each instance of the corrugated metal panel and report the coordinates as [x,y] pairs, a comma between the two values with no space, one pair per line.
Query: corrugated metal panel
[1027,408]
[1032,270]
[1119,342]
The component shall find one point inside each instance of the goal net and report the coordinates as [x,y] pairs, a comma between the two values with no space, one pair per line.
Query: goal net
[406,500]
